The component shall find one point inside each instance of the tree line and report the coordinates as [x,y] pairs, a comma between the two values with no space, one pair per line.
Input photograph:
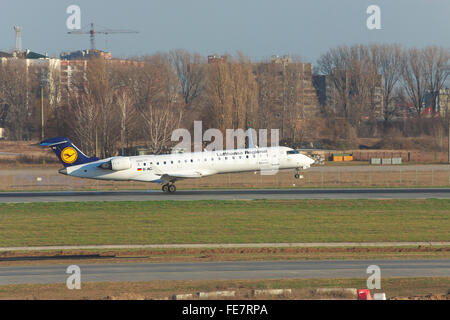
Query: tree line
[383,78]
[109,106]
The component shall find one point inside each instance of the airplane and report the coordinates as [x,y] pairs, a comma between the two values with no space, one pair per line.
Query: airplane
[166,169]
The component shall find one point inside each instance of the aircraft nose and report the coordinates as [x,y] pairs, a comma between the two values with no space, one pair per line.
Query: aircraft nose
[63,171]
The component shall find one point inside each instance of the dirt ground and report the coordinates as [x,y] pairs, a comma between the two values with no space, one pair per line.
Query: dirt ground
[305,289]
[47,178]
[220,254]
[426,297]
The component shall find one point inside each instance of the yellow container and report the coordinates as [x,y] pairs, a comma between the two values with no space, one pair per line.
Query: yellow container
[338,158]
[348,158]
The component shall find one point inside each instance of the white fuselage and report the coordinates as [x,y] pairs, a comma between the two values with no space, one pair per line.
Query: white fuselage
[177,166]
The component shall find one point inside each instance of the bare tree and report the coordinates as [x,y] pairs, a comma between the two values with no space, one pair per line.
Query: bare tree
[436,71]
[414,78]
[3,101]
[282,96]
[83,120]
[158,103]
[388,62]
[353,77]
[334,64]
[190,69]
[17,83]
[96,119]
[219,96]
[123,80]
[244,91]
[127,113]
[231,94]
[268,91]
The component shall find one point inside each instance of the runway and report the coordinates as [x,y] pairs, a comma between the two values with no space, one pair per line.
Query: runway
[227,194]
[225,270]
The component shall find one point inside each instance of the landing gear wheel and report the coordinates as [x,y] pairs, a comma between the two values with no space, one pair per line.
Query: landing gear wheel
[165,188]
[297,174]
[172,188]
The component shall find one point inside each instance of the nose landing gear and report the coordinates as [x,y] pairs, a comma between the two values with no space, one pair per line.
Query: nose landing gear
[169,188]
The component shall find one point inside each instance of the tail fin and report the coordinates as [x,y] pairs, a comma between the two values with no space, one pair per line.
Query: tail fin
[67,152]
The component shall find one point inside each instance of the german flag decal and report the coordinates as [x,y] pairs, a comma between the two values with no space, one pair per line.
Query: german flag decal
[139,169]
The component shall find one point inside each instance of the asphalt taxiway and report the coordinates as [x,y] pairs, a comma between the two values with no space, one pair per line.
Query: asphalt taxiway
[227,194]
[115,272]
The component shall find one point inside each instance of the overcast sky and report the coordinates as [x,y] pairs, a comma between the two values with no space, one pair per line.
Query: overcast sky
[258,28]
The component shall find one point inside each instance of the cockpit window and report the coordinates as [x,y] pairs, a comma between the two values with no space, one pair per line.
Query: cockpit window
[293,152]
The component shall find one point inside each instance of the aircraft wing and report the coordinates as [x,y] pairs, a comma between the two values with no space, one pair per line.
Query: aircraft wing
[184,174]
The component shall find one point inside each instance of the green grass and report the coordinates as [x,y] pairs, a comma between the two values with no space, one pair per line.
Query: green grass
[157,222]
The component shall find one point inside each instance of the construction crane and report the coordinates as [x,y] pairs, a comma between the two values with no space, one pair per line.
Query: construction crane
[92,32]
[18,38]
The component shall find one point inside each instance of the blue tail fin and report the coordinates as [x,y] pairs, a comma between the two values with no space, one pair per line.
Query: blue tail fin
[67,152]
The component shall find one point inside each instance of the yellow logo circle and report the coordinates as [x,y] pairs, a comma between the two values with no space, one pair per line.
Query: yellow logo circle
[69,155]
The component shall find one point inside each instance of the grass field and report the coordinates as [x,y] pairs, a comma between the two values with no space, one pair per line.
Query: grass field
[258,221]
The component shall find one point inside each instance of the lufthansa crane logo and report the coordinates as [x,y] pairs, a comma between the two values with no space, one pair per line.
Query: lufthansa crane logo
[69,155]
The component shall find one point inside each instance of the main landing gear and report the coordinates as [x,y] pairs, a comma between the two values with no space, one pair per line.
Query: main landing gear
[297,174]
[169,188]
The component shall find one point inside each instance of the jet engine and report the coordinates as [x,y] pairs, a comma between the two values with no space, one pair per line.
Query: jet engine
[117,164]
